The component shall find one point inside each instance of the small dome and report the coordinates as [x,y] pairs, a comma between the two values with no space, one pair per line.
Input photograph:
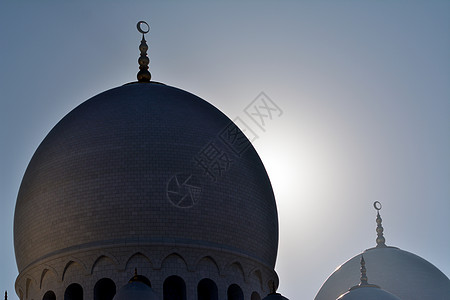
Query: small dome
[399,272]
[136,290]
[368,293]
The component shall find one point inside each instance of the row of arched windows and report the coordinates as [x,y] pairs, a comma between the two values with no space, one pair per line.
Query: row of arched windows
[174,288]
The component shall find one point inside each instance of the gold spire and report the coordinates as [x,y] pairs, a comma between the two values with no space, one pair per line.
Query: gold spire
[143,75]
[380,238]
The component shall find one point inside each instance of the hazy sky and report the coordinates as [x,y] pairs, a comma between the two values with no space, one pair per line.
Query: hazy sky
[364,87]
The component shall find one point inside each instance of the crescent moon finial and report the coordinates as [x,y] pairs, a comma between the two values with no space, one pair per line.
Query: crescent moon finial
[140,29]
[143,75]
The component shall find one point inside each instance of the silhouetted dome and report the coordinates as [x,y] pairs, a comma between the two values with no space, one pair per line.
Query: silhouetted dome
[399,272]
[136,290]
[126,166]
[368,293]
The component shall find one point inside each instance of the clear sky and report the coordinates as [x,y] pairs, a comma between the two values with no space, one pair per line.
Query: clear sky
[364,87]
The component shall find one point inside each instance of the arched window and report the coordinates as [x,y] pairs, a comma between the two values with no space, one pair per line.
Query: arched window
[49,295]
[235,292]
[174,288]
[255,296]
[73,292]
[207,290]
[104,289]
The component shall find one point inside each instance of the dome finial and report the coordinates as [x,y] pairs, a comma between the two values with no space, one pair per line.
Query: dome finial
[143,75]
[135,276]
[364,282]
[380,237]
[363,272]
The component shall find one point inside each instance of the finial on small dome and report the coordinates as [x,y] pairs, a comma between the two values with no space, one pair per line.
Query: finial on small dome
[381,241]
[364,282]
[6,295]
[363,272]
[139,278]
[143,75]
[135,276]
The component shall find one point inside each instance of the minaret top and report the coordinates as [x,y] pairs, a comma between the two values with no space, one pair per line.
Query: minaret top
[143,75]
[381,241]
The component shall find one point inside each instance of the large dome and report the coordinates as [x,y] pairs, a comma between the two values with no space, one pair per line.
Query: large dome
[399,272]
[145,164]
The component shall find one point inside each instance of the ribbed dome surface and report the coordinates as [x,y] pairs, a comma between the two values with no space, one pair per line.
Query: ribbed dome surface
[399,272]
[111,172]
